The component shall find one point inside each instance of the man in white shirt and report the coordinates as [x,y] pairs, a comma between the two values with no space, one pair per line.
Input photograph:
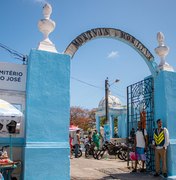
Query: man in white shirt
[76,142]
[140,145]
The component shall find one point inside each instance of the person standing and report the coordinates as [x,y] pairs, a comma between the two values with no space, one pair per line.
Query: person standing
[71,146]
[160,143]
[96,139]
[76,142]
[90,137]
[140,146]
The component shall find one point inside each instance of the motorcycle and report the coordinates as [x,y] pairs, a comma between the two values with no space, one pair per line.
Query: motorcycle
[90,149]
[112,149]
[125,150]
[79,151]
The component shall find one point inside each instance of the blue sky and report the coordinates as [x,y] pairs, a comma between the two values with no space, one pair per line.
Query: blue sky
[99,58]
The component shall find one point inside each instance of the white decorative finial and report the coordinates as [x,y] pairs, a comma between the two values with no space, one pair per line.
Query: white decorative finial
[160,38]
[162,51]
[46,26]
[47,10]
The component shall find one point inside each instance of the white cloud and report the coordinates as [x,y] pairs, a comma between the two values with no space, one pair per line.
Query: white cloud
[113,55]
[41,1]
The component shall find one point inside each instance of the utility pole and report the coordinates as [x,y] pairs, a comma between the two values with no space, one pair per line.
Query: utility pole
[107,85]
[106,100]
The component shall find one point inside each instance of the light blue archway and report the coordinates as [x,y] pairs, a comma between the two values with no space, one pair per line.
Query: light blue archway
[164,81]
[114,34]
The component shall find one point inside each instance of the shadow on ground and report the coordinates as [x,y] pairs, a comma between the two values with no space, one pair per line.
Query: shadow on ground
[121,176]
[127,175]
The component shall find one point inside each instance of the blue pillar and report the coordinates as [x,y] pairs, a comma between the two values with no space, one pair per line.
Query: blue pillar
[165,103]
[111,123]
[122,124]
[98,123]
[47,117]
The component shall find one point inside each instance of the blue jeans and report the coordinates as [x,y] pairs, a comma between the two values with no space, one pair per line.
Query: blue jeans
[76,150]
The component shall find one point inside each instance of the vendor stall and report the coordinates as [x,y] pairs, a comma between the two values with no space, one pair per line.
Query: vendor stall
[10,120]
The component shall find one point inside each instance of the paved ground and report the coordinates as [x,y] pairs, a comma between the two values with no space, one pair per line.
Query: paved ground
[105,169]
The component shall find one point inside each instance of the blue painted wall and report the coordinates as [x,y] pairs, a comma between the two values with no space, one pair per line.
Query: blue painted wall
[122,125]
[111,125]
[97,123]
[47,116]
[165,108]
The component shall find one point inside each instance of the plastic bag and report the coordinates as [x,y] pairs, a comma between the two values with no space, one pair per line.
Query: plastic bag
[133,156]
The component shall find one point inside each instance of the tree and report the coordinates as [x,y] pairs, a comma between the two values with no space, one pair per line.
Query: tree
[81,117]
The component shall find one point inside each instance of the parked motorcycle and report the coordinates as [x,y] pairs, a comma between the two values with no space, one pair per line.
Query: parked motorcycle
[90,149]
[112,149]
[79,151]
[125,150]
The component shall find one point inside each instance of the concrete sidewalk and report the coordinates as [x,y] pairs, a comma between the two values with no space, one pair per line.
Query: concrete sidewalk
[105,169]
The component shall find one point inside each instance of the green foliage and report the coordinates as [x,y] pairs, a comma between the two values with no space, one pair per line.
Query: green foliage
[102,121]
[83,118]
[116,122]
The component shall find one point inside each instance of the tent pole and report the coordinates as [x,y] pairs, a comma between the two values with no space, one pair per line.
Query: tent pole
[11,157]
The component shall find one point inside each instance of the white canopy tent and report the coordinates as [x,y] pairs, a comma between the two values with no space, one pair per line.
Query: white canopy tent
[8,114]
[7,109]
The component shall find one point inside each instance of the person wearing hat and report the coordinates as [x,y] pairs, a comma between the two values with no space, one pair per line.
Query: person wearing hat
[160,143]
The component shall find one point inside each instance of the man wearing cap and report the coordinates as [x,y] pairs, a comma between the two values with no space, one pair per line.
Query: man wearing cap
[161,141]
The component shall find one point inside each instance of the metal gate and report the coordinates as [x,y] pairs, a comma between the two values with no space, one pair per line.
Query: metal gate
[140,98]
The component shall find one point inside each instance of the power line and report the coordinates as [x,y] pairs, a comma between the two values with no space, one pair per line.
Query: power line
[86,83]
[114,89]
[96,87]
[15,53]
[119,95]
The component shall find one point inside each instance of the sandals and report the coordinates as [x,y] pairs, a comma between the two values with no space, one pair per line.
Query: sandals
[142,170]
[134,170]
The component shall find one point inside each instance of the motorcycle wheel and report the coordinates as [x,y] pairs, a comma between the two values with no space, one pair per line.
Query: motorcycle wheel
[125,155]
[86,153]
[94,154]
[79,153]
[100,155]
[120,156]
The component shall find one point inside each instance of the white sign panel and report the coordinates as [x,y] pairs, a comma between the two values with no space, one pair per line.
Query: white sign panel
[12,76]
